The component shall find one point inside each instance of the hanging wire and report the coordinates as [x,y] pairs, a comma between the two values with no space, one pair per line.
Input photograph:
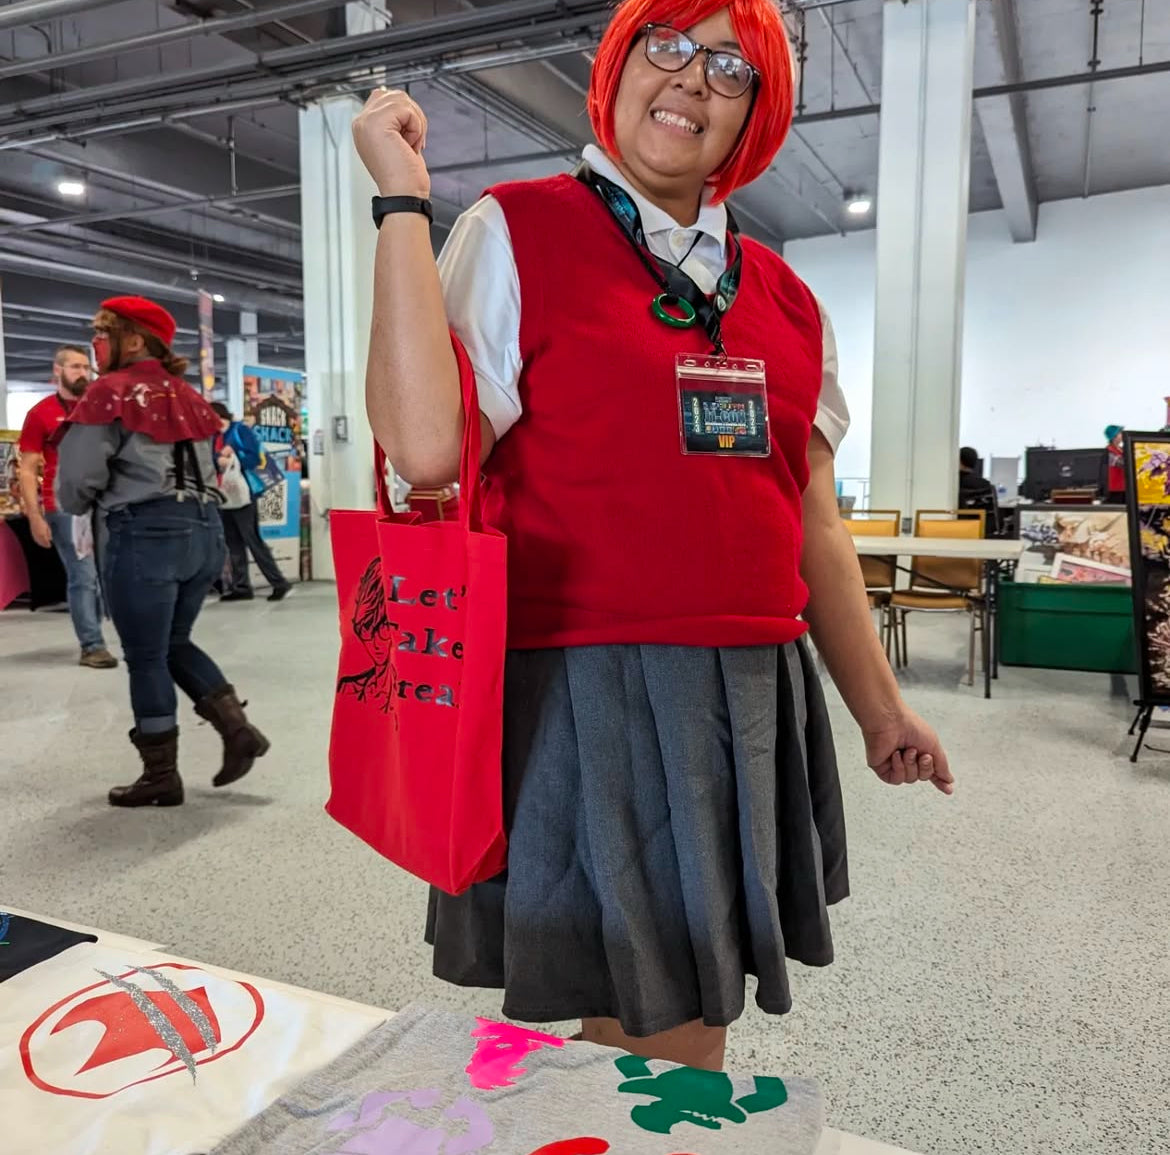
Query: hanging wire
[832,59]
[1142,37]
[1096,9]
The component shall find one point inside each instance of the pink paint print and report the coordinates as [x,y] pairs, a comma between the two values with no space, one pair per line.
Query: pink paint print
[496,1062]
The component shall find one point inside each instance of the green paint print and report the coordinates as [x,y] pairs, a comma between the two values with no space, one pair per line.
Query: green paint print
[686,1095]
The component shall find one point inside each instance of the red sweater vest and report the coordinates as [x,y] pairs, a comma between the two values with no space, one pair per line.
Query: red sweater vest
[614,535]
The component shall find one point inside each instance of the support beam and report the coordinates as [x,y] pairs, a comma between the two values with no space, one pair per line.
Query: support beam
[51,223]
[34,11]
[75,273]
[1005,128]
[207,26]
[928,60]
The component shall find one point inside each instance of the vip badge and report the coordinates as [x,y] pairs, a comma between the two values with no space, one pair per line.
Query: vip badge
[137,1026]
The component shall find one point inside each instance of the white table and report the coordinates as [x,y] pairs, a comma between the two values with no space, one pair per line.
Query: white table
[980,549]
[993,552]
[833,1142]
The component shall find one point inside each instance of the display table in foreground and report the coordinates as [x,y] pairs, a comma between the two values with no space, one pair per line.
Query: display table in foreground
[57,1103]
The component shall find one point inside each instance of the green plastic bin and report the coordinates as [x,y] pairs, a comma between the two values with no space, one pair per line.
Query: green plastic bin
[1067,627]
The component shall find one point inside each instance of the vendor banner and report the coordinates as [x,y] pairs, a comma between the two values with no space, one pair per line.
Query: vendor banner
[206,345]
[1147,461]
[10,504]
[274,401]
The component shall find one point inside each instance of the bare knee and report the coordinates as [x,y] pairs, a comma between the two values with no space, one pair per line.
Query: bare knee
[693,1044]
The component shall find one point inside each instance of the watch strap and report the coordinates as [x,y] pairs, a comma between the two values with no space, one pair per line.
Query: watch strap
[383,206]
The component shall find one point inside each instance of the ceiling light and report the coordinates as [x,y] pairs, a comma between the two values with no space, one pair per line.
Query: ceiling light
[218,298]
[859,206]
[71,188]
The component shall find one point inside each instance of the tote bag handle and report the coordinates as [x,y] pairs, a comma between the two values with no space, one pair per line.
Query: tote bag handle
[470,483]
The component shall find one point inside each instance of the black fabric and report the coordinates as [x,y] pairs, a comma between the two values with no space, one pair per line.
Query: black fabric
[241,527]
[26,942]
[184,458]
[977,492]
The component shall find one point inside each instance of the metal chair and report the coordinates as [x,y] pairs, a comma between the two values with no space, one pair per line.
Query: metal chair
[944,584]
[880,573]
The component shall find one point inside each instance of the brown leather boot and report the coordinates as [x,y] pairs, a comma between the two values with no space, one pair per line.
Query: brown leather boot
[160,784]
[242,742]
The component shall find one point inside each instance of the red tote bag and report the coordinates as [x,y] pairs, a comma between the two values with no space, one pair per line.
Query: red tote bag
[415,754]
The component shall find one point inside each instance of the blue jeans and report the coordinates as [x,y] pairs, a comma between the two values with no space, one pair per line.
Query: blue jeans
[85,600]
[159,564]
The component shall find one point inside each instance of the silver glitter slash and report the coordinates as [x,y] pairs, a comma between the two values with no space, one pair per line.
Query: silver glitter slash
[162,1025]
[187,1005]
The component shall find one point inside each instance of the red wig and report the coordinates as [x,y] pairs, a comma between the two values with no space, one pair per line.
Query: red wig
[764,39]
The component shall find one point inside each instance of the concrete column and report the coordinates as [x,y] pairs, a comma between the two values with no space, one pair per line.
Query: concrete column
[923,193]
[338,253]
[242,350]
[3,368]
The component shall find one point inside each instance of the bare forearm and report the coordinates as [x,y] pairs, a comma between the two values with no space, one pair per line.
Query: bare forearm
[839,618]
[28,490]
[412,379]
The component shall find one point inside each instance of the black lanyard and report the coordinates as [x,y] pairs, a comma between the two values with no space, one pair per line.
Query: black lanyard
[678,289]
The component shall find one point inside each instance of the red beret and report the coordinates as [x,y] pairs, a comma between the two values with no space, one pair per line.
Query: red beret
[151,317]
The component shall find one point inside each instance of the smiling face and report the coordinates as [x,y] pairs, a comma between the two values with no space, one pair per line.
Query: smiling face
[671,130]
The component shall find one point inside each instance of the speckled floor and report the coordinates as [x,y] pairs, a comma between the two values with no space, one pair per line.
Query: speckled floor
[1002,982]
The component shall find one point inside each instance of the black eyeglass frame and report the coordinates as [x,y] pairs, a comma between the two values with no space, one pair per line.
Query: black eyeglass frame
[696,47]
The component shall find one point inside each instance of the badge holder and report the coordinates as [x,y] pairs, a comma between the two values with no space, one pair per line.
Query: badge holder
[723,406]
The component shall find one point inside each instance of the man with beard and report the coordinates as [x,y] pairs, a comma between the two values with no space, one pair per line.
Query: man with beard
[51,528]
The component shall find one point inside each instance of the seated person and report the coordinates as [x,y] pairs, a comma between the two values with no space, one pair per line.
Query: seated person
[975,491]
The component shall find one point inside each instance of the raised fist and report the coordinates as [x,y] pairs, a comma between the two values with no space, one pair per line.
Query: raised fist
[390,134]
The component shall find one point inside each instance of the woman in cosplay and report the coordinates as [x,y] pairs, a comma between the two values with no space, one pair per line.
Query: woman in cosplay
[138,450]
[660,411]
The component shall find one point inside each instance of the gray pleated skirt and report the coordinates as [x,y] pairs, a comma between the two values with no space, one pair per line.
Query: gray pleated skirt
[675,824]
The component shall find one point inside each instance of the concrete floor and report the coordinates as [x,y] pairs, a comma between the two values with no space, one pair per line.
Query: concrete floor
[1002,982]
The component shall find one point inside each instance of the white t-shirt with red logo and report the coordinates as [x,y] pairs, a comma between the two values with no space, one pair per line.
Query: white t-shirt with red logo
[105,1050]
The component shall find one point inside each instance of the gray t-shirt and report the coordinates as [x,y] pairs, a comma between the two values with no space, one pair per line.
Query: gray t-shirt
[109,467]
[432,1082]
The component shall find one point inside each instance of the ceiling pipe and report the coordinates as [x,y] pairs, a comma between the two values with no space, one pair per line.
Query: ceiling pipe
[72,273]
[207,26]
[39,315]
[153,210]
[34,11]
[313,83]
[119,253]
[288,70]
[273,228]
[437,35]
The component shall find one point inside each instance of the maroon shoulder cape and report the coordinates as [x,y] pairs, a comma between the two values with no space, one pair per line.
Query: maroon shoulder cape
[148,400]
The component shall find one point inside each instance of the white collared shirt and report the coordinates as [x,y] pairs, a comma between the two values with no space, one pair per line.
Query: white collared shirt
[481,290]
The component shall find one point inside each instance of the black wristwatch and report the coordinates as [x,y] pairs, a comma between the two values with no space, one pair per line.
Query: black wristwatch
[383,206]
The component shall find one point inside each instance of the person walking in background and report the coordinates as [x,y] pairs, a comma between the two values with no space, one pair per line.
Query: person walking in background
[51,528]
[138,448]
[237,456]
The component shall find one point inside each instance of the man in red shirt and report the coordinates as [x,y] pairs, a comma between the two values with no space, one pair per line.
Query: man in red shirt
[51,528]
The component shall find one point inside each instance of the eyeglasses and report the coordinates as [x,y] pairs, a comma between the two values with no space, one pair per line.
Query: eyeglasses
[671,50]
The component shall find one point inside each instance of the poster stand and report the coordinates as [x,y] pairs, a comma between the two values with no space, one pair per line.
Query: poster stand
[1147,469]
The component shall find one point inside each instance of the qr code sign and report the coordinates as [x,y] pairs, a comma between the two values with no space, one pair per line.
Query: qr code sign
[273,505]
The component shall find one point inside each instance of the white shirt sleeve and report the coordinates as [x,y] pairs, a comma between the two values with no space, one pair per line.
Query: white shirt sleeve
[481,290]
[832,411]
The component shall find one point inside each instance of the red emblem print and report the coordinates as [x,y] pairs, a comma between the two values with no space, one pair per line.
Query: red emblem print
[138,1026]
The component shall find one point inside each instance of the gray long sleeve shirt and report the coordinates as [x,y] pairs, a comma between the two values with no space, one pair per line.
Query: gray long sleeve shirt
[109,467]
